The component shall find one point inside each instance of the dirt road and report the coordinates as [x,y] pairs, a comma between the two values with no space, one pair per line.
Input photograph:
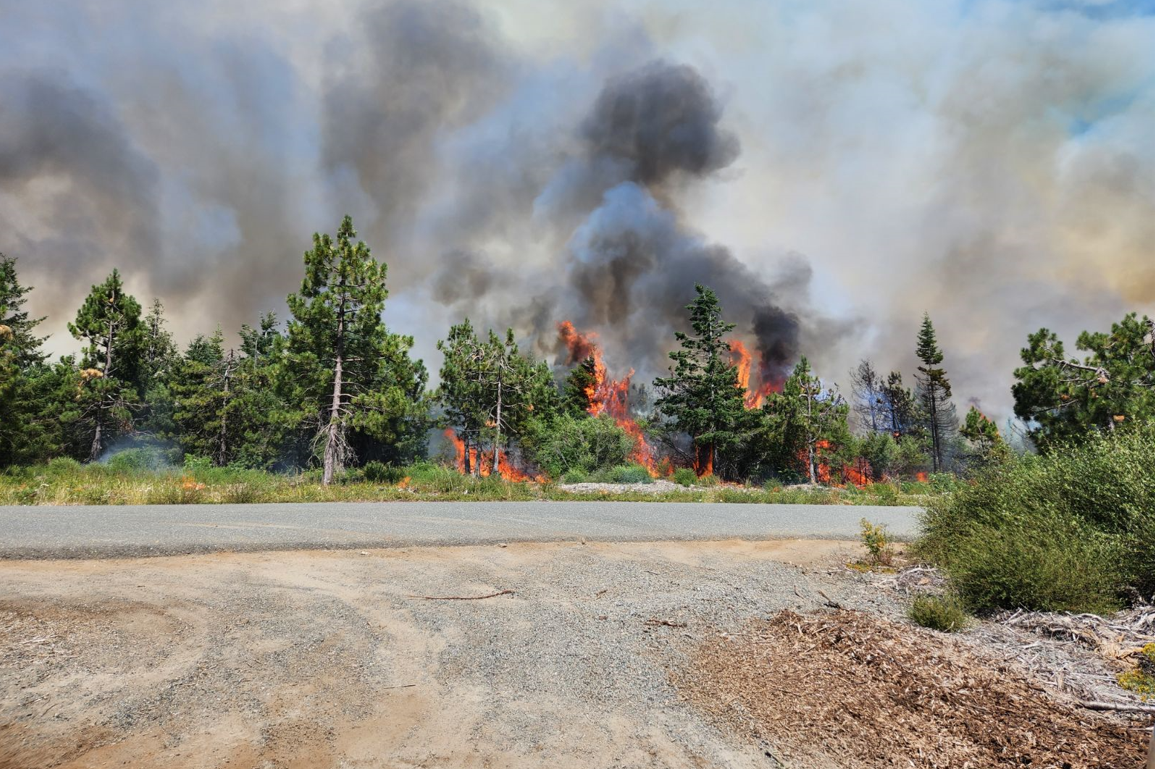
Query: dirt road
[325,659]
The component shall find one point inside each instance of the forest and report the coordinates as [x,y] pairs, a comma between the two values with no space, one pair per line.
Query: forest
[334,392]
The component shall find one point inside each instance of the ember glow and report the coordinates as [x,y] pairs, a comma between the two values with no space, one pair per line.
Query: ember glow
[606,395]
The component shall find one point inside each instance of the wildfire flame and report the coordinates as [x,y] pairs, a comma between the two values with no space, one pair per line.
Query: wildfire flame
[483,461]
[741,358]
[606,395]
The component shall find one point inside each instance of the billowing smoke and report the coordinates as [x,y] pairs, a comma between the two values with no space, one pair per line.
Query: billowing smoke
[829,170]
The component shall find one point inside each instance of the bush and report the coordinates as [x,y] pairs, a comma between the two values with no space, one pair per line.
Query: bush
[575,476]
[877,542]
[1070,531]
[575,443]
[624,474]
[684,476]
[136,460]
[195,464]
[62,466]
[378,472]
[944,613]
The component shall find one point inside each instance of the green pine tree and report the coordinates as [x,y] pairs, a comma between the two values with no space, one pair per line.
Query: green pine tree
[810,420]
[701,396]
[1065,399]
[934,392]
[346,370]
[111,367]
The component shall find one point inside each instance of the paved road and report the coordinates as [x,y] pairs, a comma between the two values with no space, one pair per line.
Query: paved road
[110,531]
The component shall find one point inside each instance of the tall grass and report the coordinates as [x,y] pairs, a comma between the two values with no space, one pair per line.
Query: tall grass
[1070,531]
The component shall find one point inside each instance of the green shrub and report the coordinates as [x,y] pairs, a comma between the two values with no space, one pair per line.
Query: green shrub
[63,466]
[878,544]
[576,475]
[141,459]
[1070,531]
[944,613]
[197,464]
[628,474]
[708,480]
[575,443]
[378,472]
[684,476]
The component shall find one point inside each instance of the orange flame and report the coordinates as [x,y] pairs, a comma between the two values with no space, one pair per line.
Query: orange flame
[483,461]
[606,395]
[741,359]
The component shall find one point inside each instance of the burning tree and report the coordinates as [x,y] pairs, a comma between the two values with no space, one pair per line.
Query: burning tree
[489,390]
[810,420]
[702,396]
[347,371]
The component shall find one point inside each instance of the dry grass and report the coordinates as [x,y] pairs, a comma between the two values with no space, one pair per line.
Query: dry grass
[853,690]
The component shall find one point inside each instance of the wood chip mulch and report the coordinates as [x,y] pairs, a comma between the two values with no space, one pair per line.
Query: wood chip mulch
[855,690]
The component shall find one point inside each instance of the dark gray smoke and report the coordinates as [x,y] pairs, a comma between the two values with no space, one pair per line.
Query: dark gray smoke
[660,120]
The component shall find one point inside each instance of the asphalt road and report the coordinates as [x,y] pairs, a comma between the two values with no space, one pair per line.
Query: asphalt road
[113,531]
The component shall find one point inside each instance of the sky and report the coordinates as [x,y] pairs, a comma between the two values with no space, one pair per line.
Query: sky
[834,169]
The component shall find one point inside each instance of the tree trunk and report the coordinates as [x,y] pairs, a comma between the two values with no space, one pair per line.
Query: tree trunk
[334,437]
[497,436]
[98,438]
[934,445]
[97,447]
[333,431]
[222,438]
[810,460]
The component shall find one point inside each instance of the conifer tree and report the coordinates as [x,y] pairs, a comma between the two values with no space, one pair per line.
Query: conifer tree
[1065,399]
[25,381]
[109,324]
[17,330]
[347,371]
[580,384]
[934,392]
[701,396]
[809,418]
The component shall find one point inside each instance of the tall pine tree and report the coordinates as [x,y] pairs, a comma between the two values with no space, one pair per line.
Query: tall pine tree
[934,392]
[111,367]
[701,396]
[347,371]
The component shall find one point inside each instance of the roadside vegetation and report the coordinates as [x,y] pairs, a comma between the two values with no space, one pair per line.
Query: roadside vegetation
[1069,530]
[141,476]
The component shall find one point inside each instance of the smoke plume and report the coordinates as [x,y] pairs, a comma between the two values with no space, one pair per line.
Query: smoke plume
[832,170]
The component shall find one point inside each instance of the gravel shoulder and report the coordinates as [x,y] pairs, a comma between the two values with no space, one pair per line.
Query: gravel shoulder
[564,654]
[336,659]
[122,531]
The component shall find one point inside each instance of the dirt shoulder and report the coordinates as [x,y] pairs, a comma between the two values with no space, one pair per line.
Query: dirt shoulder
[341,659]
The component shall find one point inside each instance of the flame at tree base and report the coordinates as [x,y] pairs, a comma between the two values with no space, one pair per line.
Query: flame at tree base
[606,395]
[483,462]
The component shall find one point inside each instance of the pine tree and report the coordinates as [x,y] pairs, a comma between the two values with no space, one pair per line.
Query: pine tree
[580,385]
[899,409]
[934,392]
[109,323]
[868,389]
[26,416]
[17,330]
[701,396]
[1066,399]
[462,390]
[347,371]
[809,418]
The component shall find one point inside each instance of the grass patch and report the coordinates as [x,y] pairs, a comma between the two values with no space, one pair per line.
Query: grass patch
[944,613]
